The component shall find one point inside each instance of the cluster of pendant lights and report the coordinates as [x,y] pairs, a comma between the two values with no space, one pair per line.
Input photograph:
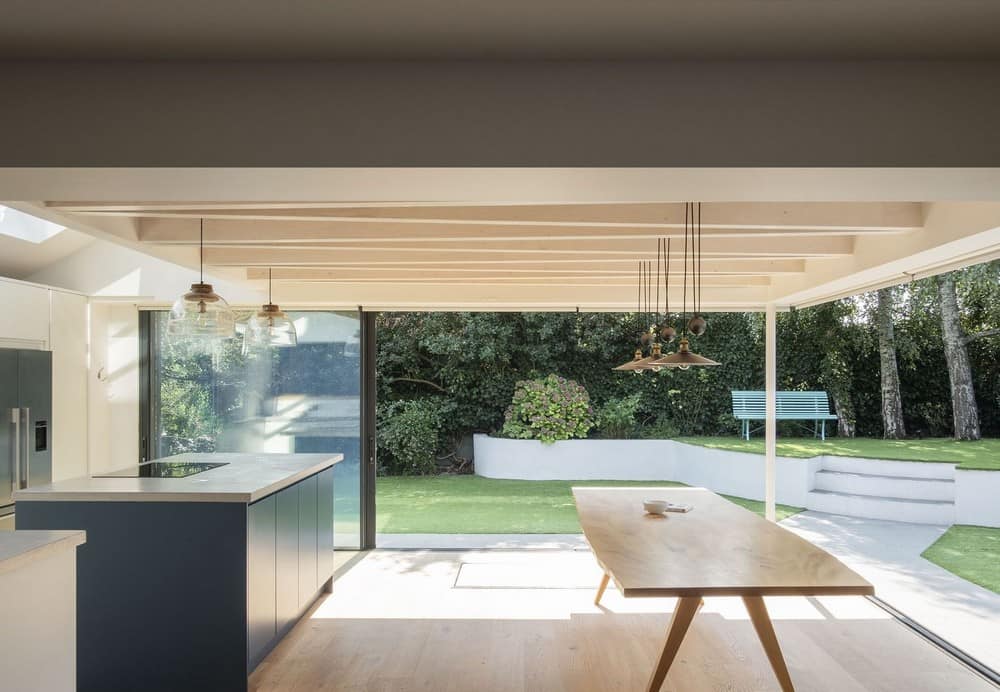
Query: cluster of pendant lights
[203,314]
[655,331]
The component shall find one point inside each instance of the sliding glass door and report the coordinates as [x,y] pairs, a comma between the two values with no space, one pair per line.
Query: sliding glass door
[307,398]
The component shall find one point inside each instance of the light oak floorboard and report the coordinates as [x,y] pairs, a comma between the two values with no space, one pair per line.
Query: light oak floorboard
[395,622]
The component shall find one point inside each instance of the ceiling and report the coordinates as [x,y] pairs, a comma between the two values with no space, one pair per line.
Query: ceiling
[531,239]
[421,254]
[559,29]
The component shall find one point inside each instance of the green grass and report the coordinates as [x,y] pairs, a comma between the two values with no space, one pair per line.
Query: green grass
[472,504]
[982,454]
[971,552]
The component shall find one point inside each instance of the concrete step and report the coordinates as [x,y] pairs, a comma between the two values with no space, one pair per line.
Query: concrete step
[889,508]
[885,467]
[877,485]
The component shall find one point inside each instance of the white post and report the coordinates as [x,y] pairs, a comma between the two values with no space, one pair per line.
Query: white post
[771,424]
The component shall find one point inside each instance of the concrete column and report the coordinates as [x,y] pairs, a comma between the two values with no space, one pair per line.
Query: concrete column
[771,425]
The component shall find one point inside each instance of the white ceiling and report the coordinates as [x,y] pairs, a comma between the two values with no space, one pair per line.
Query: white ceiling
[562,29]
[19,259]
[532,239]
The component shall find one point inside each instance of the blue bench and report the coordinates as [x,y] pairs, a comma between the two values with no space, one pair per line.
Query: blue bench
[814,406]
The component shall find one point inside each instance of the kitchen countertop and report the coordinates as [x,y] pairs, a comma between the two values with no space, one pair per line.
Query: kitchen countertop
[246,478]
[18,548]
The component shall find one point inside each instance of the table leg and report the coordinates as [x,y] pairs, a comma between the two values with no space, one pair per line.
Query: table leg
[684,613]
[765,632]
[601,587]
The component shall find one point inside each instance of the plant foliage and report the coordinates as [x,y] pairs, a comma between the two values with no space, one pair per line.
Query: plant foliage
[548,409]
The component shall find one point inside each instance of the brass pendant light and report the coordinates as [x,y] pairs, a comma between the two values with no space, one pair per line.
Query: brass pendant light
[684,358]
[639,363]
[201,312]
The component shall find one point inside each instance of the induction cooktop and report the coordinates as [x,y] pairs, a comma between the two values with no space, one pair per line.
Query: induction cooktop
[162,469]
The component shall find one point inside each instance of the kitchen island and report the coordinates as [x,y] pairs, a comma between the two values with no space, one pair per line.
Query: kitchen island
[188,582]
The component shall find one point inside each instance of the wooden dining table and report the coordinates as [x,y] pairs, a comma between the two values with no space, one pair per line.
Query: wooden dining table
[716,549]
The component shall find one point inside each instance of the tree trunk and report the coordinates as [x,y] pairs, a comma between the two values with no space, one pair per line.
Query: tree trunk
[963,397]
[892,404]
[845,416]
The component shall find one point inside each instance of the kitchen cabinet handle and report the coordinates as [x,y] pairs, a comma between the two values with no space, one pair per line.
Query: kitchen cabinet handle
[15,472]
[26,455]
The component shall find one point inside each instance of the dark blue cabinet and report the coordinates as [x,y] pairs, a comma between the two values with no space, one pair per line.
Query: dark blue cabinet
[300,536]
[308,526]
[287,561]
[324,530]
[191,595]
[261,544]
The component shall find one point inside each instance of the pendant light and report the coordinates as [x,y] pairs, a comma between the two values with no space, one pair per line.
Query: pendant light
[270,326]
[201,312]
[638,363]
[684,358]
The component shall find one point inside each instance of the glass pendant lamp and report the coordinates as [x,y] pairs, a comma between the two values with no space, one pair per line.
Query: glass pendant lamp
[270,326]
[201,313]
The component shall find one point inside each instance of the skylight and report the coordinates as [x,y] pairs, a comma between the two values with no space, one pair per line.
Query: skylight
[17,224]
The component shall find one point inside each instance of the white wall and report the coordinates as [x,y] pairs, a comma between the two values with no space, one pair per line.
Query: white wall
[732,473]
[113,398]
[977,497]
[69,344]
[54,320]
[107,270]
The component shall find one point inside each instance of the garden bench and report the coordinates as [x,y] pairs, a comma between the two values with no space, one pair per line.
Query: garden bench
[814,406]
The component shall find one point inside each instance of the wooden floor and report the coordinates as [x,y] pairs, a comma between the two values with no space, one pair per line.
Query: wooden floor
[485,621]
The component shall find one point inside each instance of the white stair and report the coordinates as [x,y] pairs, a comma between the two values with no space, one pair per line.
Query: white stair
[877,485]
[914,492]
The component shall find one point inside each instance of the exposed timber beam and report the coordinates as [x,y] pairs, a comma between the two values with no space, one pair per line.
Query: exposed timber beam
[815,216]
[497,297]
[567,261]
[956,235]
[312,274]
[775,248]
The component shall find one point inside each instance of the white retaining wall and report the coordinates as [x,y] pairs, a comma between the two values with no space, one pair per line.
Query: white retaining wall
[732,473]
[977,497]
[976,500]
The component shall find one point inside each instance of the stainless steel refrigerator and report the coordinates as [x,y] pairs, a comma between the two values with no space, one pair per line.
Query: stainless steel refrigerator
[25,422]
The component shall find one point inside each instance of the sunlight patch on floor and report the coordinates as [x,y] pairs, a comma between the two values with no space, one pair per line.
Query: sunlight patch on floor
[512,585]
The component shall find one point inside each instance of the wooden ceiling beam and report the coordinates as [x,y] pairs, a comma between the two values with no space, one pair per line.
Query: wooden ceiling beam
[316,275]
[767,247]
[389,296]
[850,216]
[430,261]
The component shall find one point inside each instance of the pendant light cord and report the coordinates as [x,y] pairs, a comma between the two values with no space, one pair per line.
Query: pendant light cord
[699,259]
[687,207]
[666,284]
[268,285]
[201,252]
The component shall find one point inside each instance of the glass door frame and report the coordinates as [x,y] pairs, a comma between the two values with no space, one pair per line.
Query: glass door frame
[148,384]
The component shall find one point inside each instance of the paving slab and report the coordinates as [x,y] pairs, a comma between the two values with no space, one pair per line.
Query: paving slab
[887,553]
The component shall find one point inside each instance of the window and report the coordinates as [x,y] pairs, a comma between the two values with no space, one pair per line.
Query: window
[300,399]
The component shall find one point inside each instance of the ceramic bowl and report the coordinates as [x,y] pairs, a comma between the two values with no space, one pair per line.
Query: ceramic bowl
[655,506]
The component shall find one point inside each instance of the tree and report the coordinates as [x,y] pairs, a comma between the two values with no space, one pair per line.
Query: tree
[892,402]
[963,397]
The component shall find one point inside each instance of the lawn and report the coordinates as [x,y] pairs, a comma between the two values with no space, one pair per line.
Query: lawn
[971,552]
[472,504]
[981,454]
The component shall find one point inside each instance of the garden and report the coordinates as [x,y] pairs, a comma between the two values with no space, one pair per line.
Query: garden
[912,373]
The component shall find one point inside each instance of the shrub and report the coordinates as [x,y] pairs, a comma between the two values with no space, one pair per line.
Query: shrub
[616,418]
[548,409]
[408,437]
[662,429]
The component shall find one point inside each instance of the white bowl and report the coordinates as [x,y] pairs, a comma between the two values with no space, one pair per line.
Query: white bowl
[655,506]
